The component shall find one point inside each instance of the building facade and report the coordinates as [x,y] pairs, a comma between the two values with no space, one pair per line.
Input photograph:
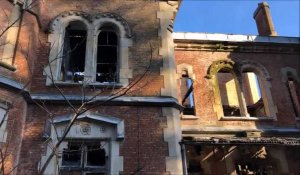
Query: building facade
[99,87]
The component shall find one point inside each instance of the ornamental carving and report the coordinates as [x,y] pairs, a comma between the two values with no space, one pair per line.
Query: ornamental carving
[90,19]
[218,65]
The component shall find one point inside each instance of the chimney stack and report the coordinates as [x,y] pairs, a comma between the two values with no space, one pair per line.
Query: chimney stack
[263,20]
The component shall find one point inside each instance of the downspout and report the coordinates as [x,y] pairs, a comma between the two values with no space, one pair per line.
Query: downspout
[183,157]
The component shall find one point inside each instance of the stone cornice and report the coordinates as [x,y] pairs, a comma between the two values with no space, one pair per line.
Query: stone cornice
[223,46]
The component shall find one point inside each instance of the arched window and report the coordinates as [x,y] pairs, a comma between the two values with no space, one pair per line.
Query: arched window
[228,93]
[90,49]
[74,49]
[107,55]
[187,94]
[294,92]
[241,90]
[252,93]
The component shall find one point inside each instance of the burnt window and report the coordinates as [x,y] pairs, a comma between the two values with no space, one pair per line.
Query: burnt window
[84,158]
[228,93]
[187,95]
[107,56]
[252,93]
[3,121]
[74,49]
[294,95]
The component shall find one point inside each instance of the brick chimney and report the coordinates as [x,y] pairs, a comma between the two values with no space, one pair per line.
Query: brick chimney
[263,20]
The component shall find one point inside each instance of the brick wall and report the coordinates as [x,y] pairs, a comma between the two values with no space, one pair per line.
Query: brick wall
[143,147]
[203,90]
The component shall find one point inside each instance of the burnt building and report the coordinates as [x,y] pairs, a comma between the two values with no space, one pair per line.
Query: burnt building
[105,87]
[240,95]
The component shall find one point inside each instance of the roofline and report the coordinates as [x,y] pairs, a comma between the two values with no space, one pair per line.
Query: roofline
[189,36]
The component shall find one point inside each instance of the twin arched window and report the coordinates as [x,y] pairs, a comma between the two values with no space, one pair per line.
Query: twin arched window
[74,54]
[241,89]
[89,49]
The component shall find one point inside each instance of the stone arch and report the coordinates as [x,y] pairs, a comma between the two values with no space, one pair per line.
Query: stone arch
[264,82]
[111,18]
[216,66]
[212,71]
[288,72]
[185,67]
[255,67]
[62,20]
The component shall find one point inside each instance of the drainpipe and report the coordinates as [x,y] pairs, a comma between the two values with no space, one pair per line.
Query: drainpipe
[183,157]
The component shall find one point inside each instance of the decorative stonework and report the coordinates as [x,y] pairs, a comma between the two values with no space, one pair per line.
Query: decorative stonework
[92,25]
[256,67]
[116,18]
[237,68]
[90,18]
[185,67]
[288,72]
[218,65]
[69,14]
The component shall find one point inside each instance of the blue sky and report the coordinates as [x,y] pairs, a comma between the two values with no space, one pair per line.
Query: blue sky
[236,16]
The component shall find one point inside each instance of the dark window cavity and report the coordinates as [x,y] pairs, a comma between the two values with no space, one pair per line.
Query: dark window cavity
[74,53]
[84,158]
[107,56]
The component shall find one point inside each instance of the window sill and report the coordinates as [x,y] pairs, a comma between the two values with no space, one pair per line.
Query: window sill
[8,66]
[224,118]
[189,117]
[97,85]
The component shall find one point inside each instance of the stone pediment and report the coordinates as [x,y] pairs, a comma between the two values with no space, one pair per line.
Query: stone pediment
[91,126]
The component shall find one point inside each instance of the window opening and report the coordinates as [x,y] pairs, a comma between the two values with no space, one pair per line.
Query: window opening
[74,52]
[187,94]
[107,56]
[252,93]
[294,95]
[84,158]
[3,122]
[228,93]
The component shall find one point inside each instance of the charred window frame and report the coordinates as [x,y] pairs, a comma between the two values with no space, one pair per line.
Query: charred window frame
[3,121]
[293,88]
[107,56]
[84,158]
[74,51]
[187,94]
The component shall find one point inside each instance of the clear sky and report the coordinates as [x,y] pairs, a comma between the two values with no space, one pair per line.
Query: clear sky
[236,16]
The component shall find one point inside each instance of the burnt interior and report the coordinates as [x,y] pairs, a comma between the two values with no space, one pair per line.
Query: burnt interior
[74,52]
[107,56]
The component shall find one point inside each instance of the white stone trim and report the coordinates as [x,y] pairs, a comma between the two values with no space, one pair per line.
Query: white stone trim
[235,38]
[115,160]
[93,23]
